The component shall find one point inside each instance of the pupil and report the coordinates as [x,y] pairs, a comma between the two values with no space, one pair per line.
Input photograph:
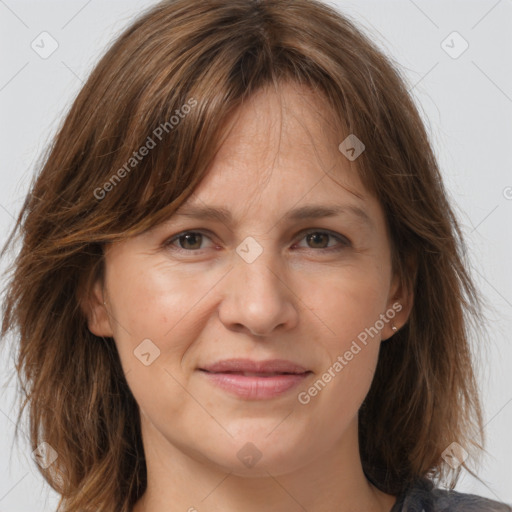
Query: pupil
[191,236]
[314,237]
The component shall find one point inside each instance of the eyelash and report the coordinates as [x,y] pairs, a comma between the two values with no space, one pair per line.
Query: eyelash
[345,242]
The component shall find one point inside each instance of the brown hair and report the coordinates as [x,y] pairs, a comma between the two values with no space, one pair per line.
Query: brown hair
[92,190]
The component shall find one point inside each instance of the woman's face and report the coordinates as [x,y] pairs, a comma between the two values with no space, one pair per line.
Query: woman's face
[316,291]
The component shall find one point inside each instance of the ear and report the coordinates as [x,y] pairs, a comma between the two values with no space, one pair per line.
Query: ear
[98,318]
[401,300]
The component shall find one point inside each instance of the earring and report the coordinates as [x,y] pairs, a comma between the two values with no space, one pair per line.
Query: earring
[394,328]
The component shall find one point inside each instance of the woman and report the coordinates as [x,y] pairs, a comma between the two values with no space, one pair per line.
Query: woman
[241,284]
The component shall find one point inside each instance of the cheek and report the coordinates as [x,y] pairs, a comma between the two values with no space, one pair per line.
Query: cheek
[348,305]
[151,301]
[350,359]
[152,330]
[157,312]
[348,302]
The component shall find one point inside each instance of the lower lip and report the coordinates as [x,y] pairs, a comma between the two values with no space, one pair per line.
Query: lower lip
[256,388]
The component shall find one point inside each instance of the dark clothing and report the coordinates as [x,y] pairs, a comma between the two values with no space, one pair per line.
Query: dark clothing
[424,497]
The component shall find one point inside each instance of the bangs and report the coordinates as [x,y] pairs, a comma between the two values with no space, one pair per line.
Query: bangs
[162,126]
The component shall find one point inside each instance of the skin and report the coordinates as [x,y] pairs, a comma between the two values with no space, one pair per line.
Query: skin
[296,301]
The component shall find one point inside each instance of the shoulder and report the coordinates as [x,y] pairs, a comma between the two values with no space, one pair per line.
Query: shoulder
[424,497]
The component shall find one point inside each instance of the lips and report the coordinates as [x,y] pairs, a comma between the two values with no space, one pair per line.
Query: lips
[255,380]
[251,368]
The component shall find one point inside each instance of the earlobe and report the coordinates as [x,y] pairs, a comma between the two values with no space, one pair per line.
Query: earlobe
[401,296]
[396,319]
[398,308]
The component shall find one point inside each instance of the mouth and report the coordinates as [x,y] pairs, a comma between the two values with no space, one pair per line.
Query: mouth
[252,380]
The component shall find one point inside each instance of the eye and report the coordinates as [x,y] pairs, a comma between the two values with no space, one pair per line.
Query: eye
[190,241]
[319,237]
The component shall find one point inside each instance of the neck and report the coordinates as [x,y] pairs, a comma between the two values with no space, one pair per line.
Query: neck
[334,481]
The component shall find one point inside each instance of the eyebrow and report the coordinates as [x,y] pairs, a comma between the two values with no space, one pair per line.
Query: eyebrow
[307,212]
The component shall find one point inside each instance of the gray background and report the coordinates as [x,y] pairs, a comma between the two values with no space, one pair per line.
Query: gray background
[465,101]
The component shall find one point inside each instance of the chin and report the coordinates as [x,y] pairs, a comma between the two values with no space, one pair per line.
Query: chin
[258,455]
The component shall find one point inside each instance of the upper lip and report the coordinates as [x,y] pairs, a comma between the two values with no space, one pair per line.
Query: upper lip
[248,365]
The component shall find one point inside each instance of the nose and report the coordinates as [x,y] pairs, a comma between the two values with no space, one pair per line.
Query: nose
[258,298]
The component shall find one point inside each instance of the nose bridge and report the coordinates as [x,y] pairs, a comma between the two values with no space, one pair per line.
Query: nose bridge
[258,298]
[258,264]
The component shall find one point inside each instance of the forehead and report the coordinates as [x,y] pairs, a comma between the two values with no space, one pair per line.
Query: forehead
[280,152]
[291,121]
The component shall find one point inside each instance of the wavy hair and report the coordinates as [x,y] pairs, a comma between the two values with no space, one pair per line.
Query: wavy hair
[95,186]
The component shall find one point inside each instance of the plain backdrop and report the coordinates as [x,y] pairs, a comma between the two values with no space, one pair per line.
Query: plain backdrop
[465,100]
